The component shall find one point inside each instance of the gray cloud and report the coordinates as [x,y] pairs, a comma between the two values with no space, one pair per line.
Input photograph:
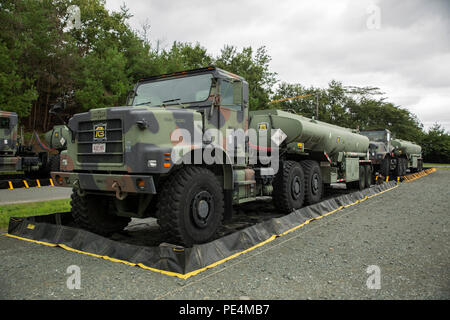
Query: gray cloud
[312,42]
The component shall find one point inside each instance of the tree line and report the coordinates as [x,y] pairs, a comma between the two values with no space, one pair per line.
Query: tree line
[47,56]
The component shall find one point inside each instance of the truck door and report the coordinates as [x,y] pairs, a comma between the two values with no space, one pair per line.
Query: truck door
[228,120]
[233,118]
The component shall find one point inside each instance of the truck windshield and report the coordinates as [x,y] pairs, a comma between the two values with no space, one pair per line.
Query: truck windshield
[174,91]
[4,123]
[377,136]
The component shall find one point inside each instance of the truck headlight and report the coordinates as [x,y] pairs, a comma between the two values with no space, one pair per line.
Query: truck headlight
[152,163]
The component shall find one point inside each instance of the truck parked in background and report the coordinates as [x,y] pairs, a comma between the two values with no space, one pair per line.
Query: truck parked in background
[16,156]
[393,157]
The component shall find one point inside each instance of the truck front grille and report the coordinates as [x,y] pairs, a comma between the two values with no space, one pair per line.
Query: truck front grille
[111,138]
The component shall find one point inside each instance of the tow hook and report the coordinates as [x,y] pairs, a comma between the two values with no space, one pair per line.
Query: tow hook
[80,192]
[119,194]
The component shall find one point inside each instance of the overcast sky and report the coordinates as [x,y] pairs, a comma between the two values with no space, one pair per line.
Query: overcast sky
[400,46]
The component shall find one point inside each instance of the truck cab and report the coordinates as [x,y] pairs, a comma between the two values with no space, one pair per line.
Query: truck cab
[8,133]
[380,149]
[9,162]
[389,156]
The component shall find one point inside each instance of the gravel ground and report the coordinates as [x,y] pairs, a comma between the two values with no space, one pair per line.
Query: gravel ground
[405,232]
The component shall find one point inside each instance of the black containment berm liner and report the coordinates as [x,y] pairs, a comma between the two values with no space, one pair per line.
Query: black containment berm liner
[58,230]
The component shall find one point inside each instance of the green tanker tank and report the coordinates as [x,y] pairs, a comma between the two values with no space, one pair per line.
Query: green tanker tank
[57,137]
[406,147]
[316,136]
[411,152]
[121,161]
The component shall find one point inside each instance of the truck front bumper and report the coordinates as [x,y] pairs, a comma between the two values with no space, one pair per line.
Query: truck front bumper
[105,182]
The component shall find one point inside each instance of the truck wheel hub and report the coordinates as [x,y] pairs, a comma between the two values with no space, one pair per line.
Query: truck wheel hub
[296,187]
[201,208]
[315,183]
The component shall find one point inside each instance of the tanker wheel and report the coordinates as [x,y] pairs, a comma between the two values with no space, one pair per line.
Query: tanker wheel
[399,167]
[420,165]
[289,187]
[402,167]
[405,166]
[191,206]
[368,176]
[360,184]
[313,181]
[362,178]
[385,167]
[97,214]
[414,170]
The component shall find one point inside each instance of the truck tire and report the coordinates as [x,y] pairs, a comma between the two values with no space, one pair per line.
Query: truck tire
[96,214]
[414,170]
[191,206]
[385,167]
[399,167]
[289,187]
[362,178]
[419,165]
[368,175]
[313,181]
[360,184]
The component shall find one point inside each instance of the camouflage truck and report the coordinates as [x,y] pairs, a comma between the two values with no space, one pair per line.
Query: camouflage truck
[8,144]
[186,149]
[15,156]
[393,157]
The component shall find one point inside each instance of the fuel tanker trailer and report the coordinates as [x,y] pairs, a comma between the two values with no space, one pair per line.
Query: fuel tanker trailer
[411,154]
[143,160]
[328,153]
[392,157]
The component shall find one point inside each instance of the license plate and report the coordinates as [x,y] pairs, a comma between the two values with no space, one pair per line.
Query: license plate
[99,148]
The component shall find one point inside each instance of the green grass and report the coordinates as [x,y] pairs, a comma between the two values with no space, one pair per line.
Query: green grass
[11,172]
[438,166]
[31,209]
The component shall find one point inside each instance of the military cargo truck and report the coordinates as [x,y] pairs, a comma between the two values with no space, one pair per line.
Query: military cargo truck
[15,156]
[393,157]
[186,149]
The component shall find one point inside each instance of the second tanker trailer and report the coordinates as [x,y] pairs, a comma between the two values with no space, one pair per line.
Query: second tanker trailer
[121,161]
[392,157]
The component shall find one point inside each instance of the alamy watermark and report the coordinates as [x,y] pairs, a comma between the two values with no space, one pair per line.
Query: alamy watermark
[74,19]
[374,280]
[373,22]
[231,146]
[74,280]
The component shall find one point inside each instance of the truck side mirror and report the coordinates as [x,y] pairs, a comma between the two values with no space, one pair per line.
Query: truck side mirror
[237,93]
[58,107]
[131,95]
